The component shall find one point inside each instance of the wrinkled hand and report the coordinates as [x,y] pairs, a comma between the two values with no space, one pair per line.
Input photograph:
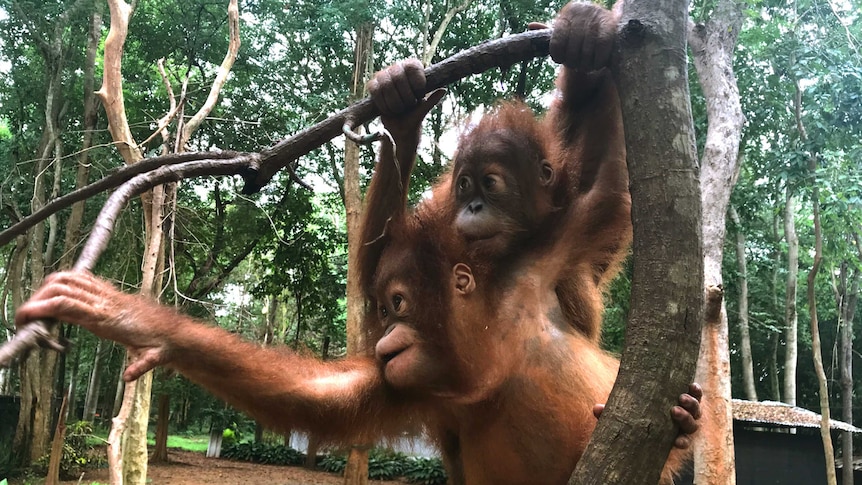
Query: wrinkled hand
[398,92]
[80,298]
[685,415]
[583,37]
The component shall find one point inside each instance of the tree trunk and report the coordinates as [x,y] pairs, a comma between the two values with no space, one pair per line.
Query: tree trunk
[846,304]
[271,317]
[311,453]
[825,430]
[127,450]
[53,477]
[91,115]
[73,375]
[634,436]
[817,354]
[33,431]
[712,46]
[791,332]
[774,381]
[745,337]
[128,438]
[119,391]
[258,432]
[160,450]
[103,347]
[356,471]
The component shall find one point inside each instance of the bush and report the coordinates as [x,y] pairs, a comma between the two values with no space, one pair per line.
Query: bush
[77,452]
[427,471]
[383,464]
[334,463]
[386,464]
[263,453]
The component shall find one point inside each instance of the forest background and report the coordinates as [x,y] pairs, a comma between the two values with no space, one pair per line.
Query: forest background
[272,266]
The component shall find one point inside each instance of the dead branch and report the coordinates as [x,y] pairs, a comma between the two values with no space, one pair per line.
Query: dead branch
[256,168]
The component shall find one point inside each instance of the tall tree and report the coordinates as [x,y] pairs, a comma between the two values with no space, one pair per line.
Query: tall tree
[713,44]
[127,440]
[825,427]
[51,33]
[846,299]
[742,281]
[356,472]
[791,321]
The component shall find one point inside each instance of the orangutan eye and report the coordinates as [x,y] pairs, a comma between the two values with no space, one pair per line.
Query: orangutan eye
[464,183]
[384,312]
[493,183]
[396,302]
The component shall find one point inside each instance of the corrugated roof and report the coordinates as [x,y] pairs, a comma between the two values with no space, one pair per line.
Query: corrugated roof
[783,414]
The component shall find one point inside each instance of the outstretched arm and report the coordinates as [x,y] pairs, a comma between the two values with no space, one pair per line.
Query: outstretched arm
[339,401]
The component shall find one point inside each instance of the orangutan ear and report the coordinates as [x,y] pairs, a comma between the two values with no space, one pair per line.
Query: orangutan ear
[464,282]
[547,176]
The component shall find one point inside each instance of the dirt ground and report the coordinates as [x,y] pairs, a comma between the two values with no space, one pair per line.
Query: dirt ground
[188,468]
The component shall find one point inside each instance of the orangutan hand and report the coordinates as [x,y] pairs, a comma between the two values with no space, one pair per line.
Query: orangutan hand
[80,298]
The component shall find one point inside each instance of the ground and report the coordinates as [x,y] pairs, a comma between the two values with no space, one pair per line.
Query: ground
[190,468]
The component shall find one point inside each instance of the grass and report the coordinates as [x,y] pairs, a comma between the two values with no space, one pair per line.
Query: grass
[188,443]
[197,443]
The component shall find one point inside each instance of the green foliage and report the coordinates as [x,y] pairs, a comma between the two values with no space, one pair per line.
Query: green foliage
[78,452]
[333,463]
[5,135]
[196,443]
[425,471]
[228,436]
[263,453]
[384,464]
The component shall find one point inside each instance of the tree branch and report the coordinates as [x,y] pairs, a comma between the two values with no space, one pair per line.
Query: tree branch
[37,333]
[256,168]
[233,48]
[498,53]
[111,92]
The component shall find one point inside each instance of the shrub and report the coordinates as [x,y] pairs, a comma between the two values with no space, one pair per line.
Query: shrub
[385,464]
[263,453]
[333,463]
[426,471]
[77,452]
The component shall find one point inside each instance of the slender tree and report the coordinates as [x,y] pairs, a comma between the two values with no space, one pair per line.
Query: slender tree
[744,333]
[356,471]
[791,324]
